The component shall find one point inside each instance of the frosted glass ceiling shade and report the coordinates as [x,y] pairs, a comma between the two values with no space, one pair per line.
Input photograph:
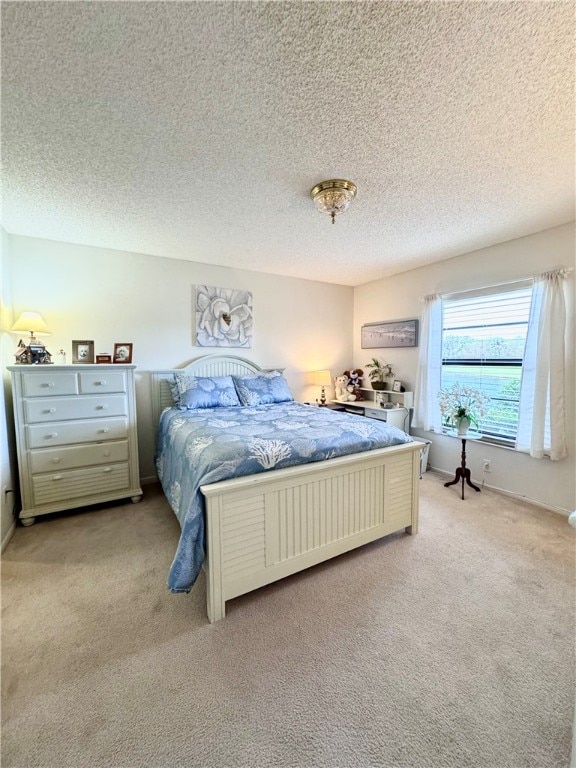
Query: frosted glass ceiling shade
[333,196]
[33,322]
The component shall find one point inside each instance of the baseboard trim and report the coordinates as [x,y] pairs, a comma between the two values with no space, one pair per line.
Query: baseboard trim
[520,497]
[6,539]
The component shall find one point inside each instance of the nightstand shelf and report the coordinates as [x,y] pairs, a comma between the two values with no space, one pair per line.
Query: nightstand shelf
[396,417]
[401,398]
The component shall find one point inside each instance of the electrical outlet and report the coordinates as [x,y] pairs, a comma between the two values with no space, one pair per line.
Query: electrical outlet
[487,465]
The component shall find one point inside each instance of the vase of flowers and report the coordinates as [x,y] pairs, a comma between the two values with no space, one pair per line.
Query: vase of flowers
[463,425]
[379,372]
[461,407]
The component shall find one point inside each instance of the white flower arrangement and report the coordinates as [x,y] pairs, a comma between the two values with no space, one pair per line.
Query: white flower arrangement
[461,402]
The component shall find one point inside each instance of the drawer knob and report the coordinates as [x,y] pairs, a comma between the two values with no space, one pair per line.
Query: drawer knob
[48,384]
[52,434]
[106,453]
[100,383]
[55,461]
[50,410]
[57,477]
[104,431]
[101,407]
[107,469]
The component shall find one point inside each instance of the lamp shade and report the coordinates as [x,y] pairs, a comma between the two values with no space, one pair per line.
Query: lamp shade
[321,378]
[33,322]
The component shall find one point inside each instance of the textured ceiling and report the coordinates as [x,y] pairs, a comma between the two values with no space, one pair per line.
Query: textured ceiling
[195,130]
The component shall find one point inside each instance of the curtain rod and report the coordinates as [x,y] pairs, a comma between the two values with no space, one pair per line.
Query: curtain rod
[566,270]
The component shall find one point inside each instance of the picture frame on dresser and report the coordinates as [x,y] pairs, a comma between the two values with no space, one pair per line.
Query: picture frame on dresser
[83,352]
[122,352]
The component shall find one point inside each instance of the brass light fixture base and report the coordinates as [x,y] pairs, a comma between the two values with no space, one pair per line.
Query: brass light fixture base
[333,196]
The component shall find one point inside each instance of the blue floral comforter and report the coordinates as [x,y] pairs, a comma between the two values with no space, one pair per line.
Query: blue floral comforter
[199,447]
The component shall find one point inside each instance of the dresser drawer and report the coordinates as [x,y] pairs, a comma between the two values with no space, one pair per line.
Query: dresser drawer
[65,433]
[79,483]
[93,382]
[61,408]
[56,459]
[44,384]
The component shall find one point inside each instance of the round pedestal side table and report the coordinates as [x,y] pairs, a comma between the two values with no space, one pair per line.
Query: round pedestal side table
[462,472]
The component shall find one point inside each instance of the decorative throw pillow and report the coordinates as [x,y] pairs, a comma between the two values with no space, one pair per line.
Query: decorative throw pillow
[263,388]
[205,391]
[174,391]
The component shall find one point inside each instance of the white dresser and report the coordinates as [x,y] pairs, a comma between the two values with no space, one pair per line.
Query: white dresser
[76,436]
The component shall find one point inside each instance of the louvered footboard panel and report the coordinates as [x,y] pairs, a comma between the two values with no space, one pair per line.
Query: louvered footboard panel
[304,517]
[243,535]
[267,526]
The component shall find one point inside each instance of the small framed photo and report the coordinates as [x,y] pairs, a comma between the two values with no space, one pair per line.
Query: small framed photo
[82,352]
[380,398]
[123,352]
[103,358]
[397,386]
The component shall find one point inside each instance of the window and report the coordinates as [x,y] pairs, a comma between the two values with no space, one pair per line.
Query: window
[483,339]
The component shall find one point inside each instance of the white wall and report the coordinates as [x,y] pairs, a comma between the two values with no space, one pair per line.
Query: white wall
[111,296]
[549,483]
[8,464]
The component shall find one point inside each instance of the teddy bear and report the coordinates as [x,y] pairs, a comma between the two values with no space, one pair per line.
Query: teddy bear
[341,389]
[355,381]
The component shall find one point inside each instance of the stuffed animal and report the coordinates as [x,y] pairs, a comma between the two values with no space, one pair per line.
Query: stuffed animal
[341,389]
[355,381]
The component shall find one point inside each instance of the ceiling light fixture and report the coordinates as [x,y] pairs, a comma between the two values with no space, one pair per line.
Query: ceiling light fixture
[333,196]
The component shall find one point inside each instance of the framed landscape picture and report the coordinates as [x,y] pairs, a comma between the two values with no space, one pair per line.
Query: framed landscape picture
[396,333]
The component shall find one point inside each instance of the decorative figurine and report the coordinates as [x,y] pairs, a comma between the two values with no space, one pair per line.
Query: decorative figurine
[33,354]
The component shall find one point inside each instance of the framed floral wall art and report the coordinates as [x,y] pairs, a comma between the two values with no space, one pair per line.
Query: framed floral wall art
[223,317]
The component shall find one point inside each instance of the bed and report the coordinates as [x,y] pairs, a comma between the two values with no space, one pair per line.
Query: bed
[253,529]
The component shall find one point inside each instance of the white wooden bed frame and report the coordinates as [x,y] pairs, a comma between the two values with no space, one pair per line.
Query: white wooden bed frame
[264,527]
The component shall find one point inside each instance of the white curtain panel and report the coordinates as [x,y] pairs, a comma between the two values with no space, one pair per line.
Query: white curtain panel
[541,427]
[428,376]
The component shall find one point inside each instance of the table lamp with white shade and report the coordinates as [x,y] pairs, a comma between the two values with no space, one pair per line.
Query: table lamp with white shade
[31,351]
[322,379]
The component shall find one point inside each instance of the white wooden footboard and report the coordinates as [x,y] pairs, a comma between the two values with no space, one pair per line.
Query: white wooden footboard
[264,527]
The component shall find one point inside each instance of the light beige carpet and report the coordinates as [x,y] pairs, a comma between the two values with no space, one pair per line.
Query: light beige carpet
[454,647]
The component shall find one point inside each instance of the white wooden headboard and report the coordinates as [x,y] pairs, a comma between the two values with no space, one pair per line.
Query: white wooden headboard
[207,365]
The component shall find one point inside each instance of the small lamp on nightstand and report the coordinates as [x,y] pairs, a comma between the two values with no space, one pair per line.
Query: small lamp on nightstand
[322,379]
